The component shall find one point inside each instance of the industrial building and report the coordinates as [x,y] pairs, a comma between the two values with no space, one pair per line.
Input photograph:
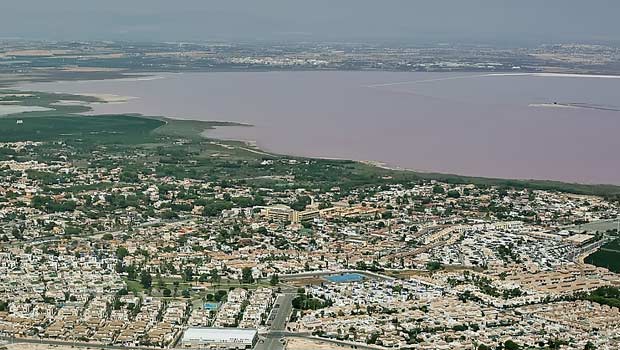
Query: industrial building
[219,338]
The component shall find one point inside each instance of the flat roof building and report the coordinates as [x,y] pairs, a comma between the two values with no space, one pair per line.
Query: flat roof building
[219,338]
[278,212]
[303,216]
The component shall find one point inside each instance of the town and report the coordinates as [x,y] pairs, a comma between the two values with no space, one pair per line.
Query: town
[95,252]
[310,175]
[70,60]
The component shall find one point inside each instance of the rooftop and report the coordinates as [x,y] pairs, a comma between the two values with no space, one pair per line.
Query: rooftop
[219,335]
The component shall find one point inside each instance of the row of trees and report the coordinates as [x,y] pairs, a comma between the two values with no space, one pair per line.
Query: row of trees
[146,279]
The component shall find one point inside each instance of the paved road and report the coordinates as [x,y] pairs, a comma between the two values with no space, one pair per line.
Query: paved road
[278,319]
[284,312]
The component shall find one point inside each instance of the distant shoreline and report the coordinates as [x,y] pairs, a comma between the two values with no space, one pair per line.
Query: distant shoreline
[140,75]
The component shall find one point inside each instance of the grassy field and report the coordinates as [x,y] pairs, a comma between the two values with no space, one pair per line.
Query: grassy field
[134,286]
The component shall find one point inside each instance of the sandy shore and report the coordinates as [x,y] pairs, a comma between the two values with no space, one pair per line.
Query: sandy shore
[90,69]
[109,98]
[14,95]
[144,78]
[70,103]
[13,109]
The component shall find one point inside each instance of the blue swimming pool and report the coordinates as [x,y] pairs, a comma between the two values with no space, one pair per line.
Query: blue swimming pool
[211,306]
[345,277]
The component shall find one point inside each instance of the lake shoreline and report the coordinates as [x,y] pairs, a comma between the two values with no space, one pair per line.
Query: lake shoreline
[325,151]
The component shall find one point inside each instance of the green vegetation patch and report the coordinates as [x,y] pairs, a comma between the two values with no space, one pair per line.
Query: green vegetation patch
[191,129]
[134,286]
[96,129]
[60,104]
[604,296]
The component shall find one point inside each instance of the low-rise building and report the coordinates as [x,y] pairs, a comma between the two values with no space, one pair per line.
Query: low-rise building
[219,338]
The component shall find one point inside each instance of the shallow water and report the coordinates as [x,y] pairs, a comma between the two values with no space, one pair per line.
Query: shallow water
[465,123]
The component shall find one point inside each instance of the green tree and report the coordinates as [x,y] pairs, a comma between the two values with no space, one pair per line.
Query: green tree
[437,189]
[146,279]
[131,272]
[433,265]
[454,194]
[220,295]
[214,276]
[511,345]
[246,275]
[121,253]
[274,280]
[301,202]
[188,273]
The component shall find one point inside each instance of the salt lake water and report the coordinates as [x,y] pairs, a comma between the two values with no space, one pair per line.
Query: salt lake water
[558,127]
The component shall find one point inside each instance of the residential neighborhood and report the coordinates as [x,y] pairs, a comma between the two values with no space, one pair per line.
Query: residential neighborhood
[101,256]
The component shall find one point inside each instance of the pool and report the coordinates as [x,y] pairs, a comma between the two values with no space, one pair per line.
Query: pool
[345,277]
[211,306]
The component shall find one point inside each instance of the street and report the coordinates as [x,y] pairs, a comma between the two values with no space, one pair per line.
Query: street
[277,322]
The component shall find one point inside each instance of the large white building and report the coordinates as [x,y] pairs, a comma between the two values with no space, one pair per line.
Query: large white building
[219,338]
